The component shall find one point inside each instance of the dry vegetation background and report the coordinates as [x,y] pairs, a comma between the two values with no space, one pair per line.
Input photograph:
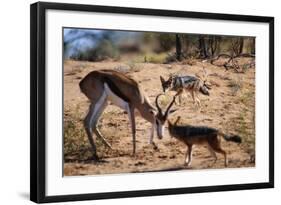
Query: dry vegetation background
[230,107]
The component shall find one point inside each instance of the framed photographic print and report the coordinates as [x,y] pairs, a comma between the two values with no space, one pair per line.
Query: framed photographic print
[129,102]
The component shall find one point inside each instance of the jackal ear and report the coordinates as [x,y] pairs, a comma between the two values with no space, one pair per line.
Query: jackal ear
[177,120]
[162,79]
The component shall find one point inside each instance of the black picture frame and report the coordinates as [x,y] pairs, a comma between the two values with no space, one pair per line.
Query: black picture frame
[38,101]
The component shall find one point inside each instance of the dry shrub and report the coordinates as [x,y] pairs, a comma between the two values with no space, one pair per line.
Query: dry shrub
[235,85]
[134,67]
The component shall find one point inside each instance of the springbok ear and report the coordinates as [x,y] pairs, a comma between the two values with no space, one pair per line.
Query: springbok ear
[173,110]
[153,112]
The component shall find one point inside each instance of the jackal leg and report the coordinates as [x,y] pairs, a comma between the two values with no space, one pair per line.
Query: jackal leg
[195,98]
[216,146]
[213,153]
[188,156]
[220,150]
[180,98]
[179,93]
[192,95]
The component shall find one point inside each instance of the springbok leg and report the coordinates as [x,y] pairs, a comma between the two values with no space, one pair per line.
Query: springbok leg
[151,137]
[88,128]
[131,113]
[95,121]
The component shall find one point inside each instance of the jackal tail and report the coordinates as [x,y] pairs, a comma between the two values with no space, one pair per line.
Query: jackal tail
[233,138]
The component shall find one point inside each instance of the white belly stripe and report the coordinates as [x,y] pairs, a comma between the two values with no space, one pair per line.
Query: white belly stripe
[115,99]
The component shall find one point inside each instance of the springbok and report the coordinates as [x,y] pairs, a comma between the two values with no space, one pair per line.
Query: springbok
[109,85]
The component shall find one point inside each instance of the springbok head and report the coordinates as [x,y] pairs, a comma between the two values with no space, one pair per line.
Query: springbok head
[162,116]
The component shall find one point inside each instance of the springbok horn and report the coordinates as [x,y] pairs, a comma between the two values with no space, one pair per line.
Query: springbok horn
[170,105]
[157,104]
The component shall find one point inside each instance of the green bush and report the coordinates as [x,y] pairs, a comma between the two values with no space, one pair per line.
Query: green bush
[155,58]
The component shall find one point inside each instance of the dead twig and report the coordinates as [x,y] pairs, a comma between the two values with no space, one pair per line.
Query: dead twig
[232,61]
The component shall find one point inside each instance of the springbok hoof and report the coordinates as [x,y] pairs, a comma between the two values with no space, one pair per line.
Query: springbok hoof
[155,147]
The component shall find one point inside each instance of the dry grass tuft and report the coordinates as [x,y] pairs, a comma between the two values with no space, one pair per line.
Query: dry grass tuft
[235,85]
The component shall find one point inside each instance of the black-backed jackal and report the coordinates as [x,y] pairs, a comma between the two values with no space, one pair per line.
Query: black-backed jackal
[198,135]
[192,84]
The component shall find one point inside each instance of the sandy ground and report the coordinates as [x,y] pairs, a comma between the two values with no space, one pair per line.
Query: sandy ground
[230,107]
